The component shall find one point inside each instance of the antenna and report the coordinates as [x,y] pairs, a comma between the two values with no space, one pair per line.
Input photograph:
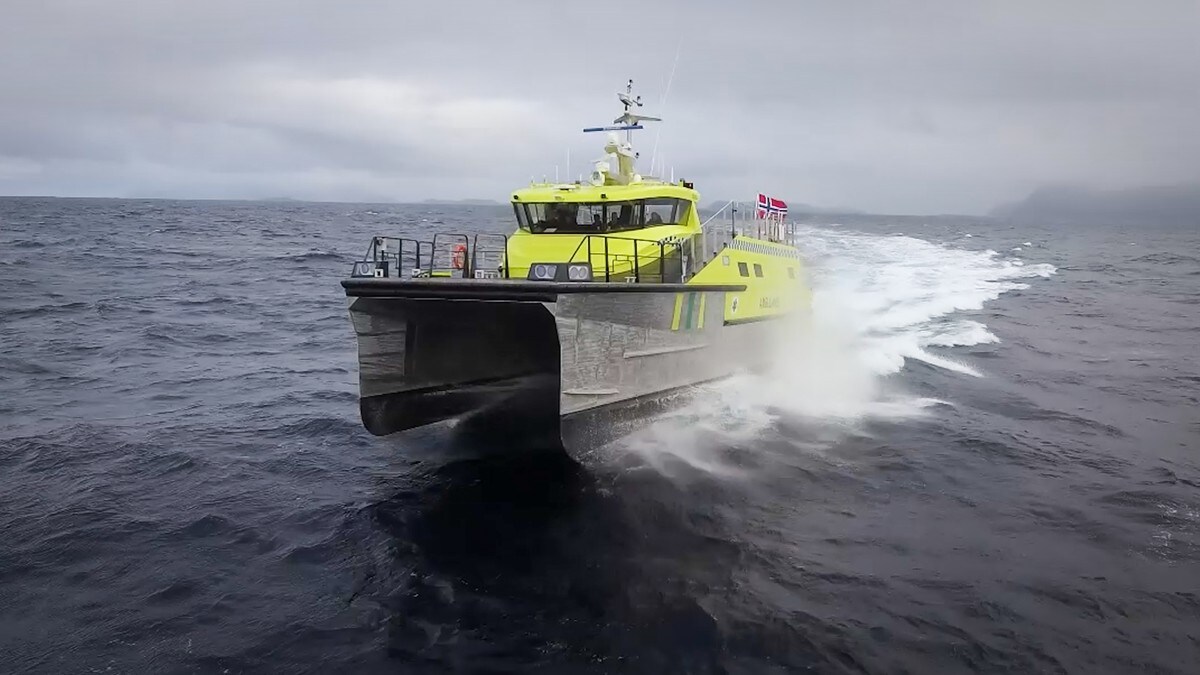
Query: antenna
[629,121]
[628,100]
[662,105]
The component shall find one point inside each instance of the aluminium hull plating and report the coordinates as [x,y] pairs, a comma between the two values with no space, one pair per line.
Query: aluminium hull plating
[535,362]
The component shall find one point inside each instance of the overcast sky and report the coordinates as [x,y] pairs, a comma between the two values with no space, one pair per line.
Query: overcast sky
[900,107]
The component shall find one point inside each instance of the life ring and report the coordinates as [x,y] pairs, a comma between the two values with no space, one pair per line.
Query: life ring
[458,257]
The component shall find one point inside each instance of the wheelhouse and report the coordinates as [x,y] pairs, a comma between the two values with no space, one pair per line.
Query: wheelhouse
[600,217]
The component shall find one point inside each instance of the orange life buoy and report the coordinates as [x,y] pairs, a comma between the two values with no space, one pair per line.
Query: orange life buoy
[459,257]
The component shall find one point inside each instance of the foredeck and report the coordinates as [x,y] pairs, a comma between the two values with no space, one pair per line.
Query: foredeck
[607,258]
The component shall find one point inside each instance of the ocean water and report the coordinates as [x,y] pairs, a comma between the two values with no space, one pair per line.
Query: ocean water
[980,456]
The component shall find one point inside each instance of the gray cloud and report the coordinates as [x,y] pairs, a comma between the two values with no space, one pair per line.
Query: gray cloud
[889,106]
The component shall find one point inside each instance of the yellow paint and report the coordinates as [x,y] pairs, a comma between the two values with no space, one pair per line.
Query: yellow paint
[571,192]
[773,294]
[526,248]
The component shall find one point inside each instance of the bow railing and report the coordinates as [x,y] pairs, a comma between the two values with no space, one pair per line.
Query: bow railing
[448,255]
[632,260]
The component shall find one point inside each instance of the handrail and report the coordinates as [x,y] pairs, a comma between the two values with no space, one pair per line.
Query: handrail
[463,272]
[417,258]
[719,212]
[655,242]
[381,252]
[623,263]
[634,257]
[503,251]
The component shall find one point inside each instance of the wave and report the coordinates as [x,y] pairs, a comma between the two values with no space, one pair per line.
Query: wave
[900,294]
[1167,258]
[317,426]
[12,364]
[27,243]
[47,309]
[211,300]
[881,303]
[312,255]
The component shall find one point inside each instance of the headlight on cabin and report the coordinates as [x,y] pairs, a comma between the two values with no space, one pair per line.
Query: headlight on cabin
[579,272]
[558,272]
[542,272]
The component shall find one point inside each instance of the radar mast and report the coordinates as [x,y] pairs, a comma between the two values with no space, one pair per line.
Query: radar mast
[628,122]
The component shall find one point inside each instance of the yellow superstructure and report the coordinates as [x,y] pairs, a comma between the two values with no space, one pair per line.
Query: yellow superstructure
[590,229]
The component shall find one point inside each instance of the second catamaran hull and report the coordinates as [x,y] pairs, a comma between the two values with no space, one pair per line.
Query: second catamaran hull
[539,363]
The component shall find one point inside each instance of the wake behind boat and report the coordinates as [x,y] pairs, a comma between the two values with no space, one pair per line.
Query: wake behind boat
[610,294]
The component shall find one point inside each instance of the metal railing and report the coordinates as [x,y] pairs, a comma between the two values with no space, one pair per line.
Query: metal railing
[731,207]
[405,256]
[632,260]
[612,257]
[453,256]
[449,256]
[716,233]
[489,260]
[485,256]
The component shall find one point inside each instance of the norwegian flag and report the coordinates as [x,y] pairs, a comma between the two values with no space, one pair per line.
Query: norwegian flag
[769,207]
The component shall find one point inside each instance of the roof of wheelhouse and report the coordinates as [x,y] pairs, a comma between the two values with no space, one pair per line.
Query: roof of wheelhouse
[572,192]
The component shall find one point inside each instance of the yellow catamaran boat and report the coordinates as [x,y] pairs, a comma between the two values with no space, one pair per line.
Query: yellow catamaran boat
[610,294]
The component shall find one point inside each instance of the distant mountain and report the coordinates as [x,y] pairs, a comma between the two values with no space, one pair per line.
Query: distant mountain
[1178,204]
[461,202]
[793,208]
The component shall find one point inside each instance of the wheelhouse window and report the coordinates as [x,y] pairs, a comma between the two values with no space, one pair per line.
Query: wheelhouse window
[664,211]
[598,217]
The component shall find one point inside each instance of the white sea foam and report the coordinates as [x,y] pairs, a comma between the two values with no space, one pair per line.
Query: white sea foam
[880,302]
[900,295]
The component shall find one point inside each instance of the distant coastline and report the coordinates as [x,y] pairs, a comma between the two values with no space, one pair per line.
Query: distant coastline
[461,202]
[793,208]
[1168,204]
[272,200]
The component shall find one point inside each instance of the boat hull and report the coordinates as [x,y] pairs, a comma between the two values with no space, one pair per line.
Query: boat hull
[535,362]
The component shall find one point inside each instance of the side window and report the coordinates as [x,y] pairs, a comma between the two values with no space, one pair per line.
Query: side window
[589,216]
[522,218]
[623,216]
[757,270]
[664,211]
[537,217]
[791,272]
[743,270]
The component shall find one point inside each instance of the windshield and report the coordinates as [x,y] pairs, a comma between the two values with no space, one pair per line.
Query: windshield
[598,217]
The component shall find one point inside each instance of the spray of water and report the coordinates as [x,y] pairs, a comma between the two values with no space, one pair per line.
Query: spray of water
[879,302]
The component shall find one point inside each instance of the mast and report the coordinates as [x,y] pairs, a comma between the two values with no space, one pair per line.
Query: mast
[628,122]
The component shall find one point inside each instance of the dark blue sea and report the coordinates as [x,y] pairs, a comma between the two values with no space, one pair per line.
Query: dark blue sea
[981,456]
